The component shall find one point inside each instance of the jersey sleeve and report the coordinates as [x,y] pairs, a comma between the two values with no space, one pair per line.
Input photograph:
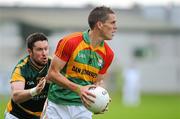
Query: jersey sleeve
[107,60]
[64,49]
[16,75]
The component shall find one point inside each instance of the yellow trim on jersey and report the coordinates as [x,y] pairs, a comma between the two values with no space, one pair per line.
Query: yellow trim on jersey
[16,76]
[84,45]
[9,106]
[23,63]
[30,112]
[9,109]
[102,49]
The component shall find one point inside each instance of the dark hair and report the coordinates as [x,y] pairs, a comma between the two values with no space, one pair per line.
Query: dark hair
[99,14]
[34,37]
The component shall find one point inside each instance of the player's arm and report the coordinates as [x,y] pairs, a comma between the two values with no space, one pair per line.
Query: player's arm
[19,94]
[100,80]
[55,76]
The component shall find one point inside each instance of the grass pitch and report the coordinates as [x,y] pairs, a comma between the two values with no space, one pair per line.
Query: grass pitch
[3,103]
[151,107]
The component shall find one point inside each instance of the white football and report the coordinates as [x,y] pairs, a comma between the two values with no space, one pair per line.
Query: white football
[101,100]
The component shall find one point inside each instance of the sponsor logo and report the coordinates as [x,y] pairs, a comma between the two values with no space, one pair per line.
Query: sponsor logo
[30,83]
[81,55]
[84,72]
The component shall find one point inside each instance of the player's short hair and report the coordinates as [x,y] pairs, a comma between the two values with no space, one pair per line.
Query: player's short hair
[34,37]
[99,14]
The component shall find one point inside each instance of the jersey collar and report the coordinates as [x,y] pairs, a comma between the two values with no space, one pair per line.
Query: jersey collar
[34,66]
[88,40]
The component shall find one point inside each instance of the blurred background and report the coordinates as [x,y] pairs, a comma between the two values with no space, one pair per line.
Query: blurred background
[144,79]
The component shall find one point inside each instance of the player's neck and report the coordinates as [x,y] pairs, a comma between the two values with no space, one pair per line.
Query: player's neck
[36,64]
[95,39]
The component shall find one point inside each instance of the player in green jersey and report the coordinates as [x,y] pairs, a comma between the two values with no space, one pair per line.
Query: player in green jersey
[81,61]
[28,87]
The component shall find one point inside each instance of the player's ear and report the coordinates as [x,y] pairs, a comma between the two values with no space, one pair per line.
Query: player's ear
[99,24]
[29,51]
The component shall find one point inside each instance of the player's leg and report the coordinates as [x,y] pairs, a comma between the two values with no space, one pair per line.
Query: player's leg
[7,115]
[54,111]
[80,112]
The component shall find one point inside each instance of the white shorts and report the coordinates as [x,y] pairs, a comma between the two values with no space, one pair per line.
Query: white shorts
[54,111]
[7,115]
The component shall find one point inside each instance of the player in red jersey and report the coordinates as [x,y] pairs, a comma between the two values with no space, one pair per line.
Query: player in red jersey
[81,60]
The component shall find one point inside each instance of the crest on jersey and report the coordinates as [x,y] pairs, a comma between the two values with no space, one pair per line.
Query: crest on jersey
[100,62]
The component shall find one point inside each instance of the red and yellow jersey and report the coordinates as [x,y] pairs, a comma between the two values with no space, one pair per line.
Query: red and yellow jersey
[84,63]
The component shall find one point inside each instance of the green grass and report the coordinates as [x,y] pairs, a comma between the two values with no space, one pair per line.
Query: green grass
[3,102]
[151,107]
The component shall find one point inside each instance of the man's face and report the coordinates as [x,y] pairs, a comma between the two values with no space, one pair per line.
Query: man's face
[40,52]
[109,27]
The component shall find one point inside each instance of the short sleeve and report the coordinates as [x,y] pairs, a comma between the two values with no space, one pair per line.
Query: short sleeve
[107,59]
[64,49]
[16,75]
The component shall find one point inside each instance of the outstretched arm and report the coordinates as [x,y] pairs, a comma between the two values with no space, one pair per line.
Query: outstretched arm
[19,94]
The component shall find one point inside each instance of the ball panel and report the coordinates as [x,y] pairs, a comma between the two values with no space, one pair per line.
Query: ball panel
[101,100]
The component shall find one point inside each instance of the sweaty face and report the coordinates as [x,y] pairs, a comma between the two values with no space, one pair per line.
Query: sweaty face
[109,27]
[40,52]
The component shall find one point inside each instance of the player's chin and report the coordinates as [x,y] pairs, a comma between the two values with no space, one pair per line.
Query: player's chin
[110,37]
[44,62]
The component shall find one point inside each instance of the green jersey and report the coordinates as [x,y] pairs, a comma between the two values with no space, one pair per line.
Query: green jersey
[84,63]
[27,72]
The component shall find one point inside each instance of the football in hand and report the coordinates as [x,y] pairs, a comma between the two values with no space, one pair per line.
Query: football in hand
[101,101]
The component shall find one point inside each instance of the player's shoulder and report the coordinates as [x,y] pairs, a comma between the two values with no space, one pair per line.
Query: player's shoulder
[73,36]
[109,51]
[72,39]
[22,62]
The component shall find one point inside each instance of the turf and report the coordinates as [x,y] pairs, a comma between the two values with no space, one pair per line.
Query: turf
[3,103]
[151,107]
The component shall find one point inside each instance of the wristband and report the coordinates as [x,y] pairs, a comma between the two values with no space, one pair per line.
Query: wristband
[78,89]
[33,91]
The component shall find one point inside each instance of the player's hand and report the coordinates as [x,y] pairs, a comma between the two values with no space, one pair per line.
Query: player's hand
[86,97]
[40,86]
[47,79]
